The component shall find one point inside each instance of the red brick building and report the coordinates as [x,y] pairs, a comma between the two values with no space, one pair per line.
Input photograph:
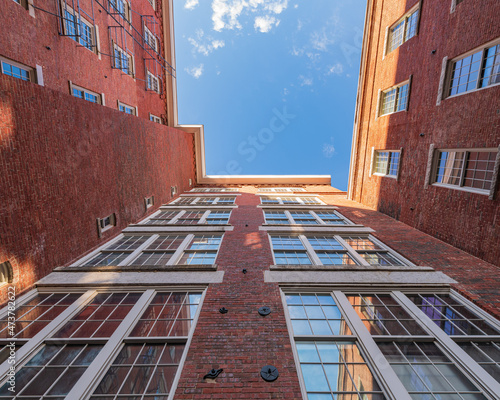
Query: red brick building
[427,125]
[131,274]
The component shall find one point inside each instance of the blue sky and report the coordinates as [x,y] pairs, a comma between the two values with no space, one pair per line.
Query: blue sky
[273,82]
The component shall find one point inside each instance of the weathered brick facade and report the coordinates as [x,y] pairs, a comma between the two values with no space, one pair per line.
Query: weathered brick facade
[465,220]
[66,162]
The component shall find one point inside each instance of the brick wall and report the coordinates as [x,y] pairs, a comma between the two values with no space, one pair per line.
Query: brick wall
[466,220]
[65,162]
[33,41]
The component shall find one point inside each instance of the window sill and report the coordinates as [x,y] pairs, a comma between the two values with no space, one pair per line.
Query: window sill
[348,268]
[136,268]
[471,91]
[386,176]
[463,189]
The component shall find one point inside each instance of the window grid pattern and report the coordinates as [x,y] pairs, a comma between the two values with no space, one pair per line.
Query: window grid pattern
[122,60]
[126,109]
[382,315]
[169,314]
[330,251]
[86,95]
[280,190]
[190,218]
[381,162]
[218,217]
[37,313]
[372,252]
[215,190]
[403,31]
[52,371]
[205,201]
[331,218]
[202,250]
[289,200]
[78,30]
[452,316]
[394,100]
[16,72]
[150,39]
[486,354]
[120,6]
[330,369]
[289,250]
[473,169]
[101,317]
[163,218]
[153,83]
[118,251]
[475,71]
[426,372]
[303,217]
[160,251]
[276,218]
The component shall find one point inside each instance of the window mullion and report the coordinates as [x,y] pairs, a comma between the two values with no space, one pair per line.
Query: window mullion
[462,173]
[320,221]
[46,332]
[204,217]
[289,216]
[90,378]
[215,201]
[310,251]
[138,251]
[467,362]
[176,218]
[391,383]
[279,200]
[195,200]
[354,254]
[178,253]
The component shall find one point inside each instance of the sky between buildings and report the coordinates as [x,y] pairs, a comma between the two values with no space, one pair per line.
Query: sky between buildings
[273,81]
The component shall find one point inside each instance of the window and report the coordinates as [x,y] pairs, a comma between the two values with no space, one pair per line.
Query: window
[156,250]
[149,201]
[189,217]
[394,99]
[103,224]
[476,70]
[77,28]
[126,108]
[215,190]
[469,170]
[154,118]
[123,61]
[290,200]
[332,250]
[144,355]
[402,30]
[152,2]
[6,272]
[153,83]
[386,163]
[204,201]
[122,8]
[150,39]
[304,218]
[278,190]
[17,70]
[337,336]
[85,94]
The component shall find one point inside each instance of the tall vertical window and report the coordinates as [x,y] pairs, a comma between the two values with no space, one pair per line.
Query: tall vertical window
[471,170]
[394,99]
[121,7]
[78,28]
[475,71]
[153,83]
[403,30]
[150,39]
[386,163]
[123,61]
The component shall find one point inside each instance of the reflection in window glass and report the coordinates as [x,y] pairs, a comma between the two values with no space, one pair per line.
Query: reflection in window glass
[486,354]
[53,371]
[451,316]
[169,314]
[424,371]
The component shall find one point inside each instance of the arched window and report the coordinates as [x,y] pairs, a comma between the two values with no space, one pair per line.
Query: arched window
[6,273]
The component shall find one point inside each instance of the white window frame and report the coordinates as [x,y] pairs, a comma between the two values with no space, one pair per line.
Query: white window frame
[298,199]
[85,91]
[280,190]
[151,81]
[31,71]
[291,221]
[130,57]
[397,87]
[102,226]
[196,199]
[449,68]
[127,10]
[152,236]
[154,118]
[214,190]
[180,212]
[386,174]
[361,262]
[367,343]
[98,368]
[404,19]
[79,19]
[434,154]
[124,105]
[150,39]
[149,202]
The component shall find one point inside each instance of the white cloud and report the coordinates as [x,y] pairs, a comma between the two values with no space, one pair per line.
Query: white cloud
[296,52]
[191,4]
[335,69]
[205,44]
[286,91]
[328,150]
[265,24]
[320,40]
[225,13]
[195,72]
[305,81]
[300,24]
